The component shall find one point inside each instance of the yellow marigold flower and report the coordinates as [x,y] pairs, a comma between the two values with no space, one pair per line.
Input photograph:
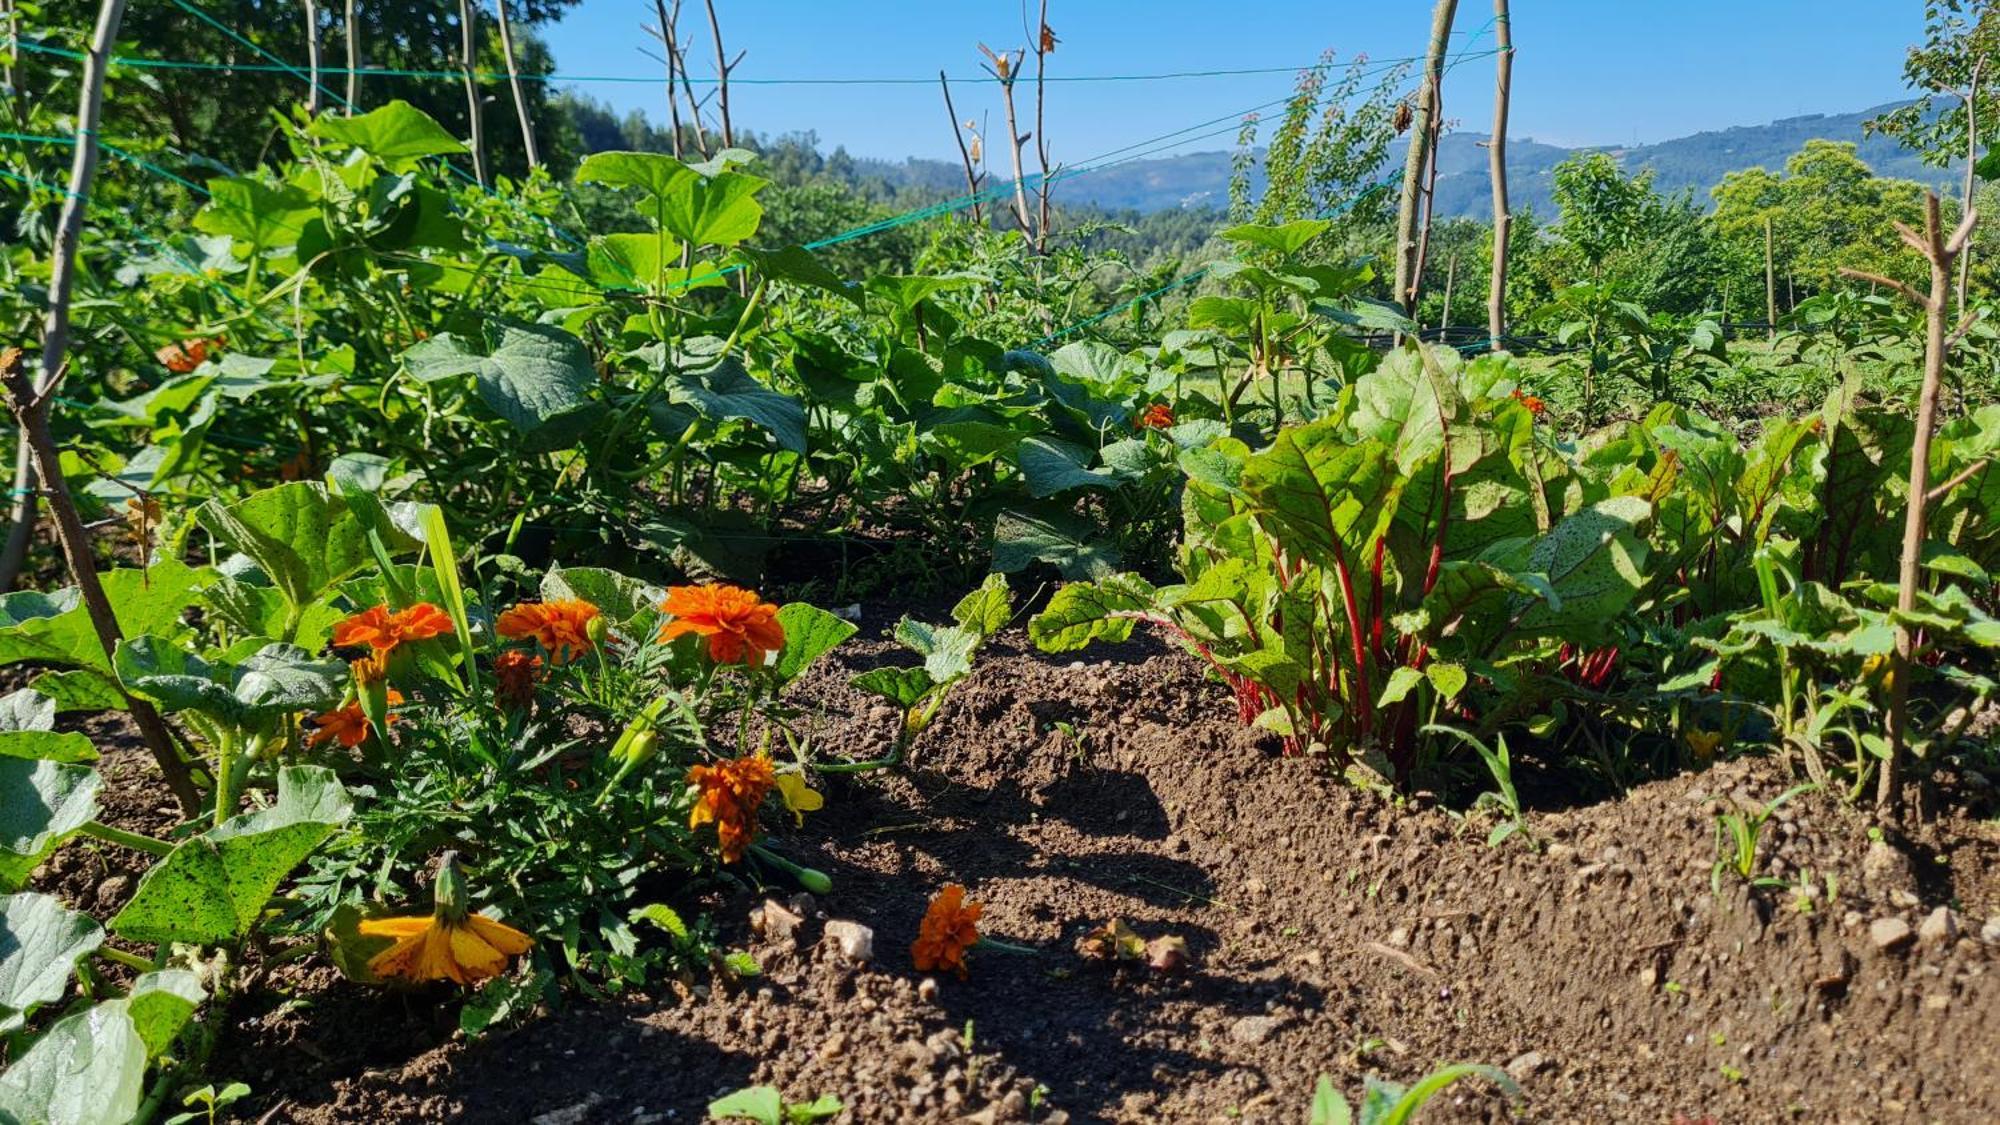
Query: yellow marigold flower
[1703,742]
[730,794]
[950,928]
[562,628]
[798,796]
[741,628]
[450,943]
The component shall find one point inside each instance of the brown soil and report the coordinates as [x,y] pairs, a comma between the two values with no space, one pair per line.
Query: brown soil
[1331,931]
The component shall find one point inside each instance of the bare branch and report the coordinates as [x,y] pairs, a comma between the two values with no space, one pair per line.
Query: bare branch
[1889,283]
[1970,471]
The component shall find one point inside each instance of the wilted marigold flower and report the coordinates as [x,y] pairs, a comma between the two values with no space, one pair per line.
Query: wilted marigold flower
[185,356]
[451,943]
[514,674]
[949,929]
[741,628]
[561,627]
[1158,416]
[730,795]
[346,725]
[382,630]
[1532,402]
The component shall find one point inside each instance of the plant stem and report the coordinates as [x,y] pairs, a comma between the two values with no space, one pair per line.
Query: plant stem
[97,830]
[130,960]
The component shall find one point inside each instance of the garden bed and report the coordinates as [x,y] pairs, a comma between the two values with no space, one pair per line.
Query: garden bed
[1330,932]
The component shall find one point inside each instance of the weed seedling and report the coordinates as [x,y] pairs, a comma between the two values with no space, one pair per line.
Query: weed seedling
[1386,1103]
[1736,839]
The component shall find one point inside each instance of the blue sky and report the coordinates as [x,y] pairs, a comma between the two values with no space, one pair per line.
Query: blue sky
[1603,72]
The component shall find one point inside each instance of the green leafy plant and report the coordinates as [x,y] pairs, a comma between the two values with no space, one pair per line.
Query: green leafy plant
[764,1105]
[1386,1103]
[917,691]
[1737,835]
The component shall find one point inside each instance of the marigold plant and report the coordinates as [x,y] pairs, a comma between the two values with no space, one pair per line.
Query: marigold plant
[741,627]
[562,627]
[1158,416]
[729,795]
[950,928]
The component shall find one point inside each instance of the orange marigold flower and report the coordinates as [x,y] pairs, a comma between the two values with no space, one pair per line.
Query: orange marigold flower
[561,627]
[514,673]
[185,356]
[950,928]
[1532,402]
[1158,416]
[741,628]
[346,725]
[368,669]
[730,793]
[382,630]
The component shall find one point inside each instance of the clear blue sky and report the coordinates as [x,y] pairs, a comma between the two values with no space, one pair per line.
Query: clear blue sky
[1605,72]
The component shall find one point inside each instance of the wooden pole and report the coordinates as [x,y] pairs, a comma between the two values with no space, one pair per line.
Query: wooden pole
[312,58]
[1408,267]
[514,80]
[1971,163]
[1003,69]
[1045,43]
[468,62]
[964,154]
[1941,251]
[1770,282]
[1503,217]
[723,66]
[31,402]
[1450,280]
[353,61]
[673,99]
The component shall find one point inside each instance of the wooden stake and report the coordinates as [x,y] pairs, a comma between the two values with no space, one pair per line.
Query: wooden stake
[353,61]
[1941,252]
[469,61]
[1770,282]
[514,80]
[1503,217]
[30,402]
[723,65]
[312,58]
[1409,266]
[964,154]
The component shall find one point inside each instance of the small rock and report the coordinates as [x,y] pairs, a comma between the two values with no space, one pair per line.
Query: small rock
[857,942]
[1940,927]
[927,990]
[1990,932]
[1525,1064]
[1904,900]
[569,1114]
[1399,937]
[1889,933]
[1255,886]
[1252,1030]
[113,892]
[775,921]
[1884,867]
[835,1046]
[1937,1002]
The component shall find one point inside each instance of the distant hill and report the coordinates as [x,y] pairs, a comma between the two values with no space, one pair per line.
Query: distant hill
[1697,162]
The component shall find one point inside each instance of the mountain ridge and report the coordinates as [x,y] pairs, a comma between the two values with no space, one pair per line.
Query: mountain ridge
[1696,163]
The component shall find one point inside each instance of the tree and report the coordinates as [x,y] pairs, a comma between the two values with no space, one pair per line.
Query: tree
[1325,156]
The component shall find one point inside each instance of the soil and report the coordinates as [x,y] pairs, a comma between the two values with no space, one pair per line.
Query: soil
[1330,930]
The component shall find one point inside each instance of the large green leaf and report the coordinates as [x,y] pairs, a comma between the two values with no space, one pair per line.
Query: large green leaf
[1325,496]
[88,1069]
[947,650]
[618,597]
[40,943]
[1287,239]
[255,214]
[41,805]
[536,377]
[1052,466]
[1065,541]
[160,1005]
[905,687]
[303,537]
[55,628]
[27,730]
[810,633]
[1082,612]
[1088,361]
[397,134]
[211,888]
[726,390]
[1594,562]
[987,609]
[718,210]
